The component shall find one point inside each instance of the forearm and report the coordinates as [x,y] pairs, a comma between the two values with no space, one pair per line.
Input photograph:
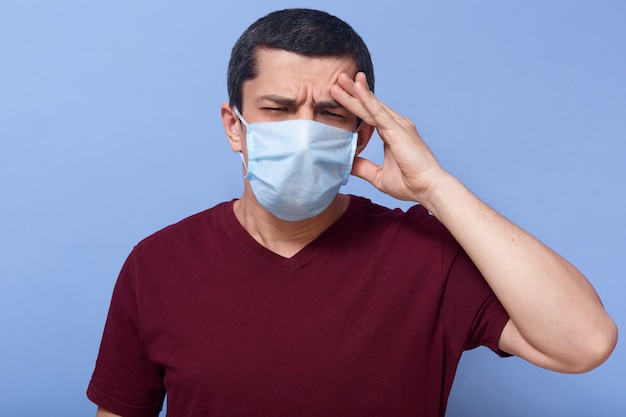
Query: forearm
[558,320]
[553,306]
[104,413]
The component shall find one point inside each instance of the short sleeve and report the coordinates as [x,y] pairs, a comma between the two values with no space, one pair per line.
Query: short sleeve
[125,381]
[475,317]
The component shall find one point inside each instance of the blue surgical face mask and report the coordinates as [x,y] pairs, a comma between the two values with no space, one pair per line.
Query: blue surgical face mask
[296,167]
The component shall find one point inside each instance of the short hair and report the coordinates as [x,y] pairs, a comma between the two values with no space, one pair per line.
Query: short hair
[311,33]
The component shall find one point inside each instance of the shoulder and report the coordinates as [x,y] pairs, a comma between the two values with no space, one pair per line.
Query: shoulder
[414,220]
[190,231]
[402,234]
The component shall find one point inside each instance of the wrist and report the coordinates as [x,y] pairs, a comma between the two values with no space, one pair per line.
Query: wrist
[443,192]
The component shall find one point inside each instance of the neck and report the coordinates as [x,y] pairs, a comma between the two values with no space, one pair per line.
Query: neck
[283,237]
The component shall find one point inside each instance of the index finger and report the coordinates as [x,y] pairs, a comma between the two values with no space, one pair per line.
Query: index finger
[382,116]
[345,94]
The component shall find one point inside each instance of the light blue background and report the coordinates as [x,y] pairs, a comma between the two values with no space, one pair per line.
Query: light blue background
[110,130]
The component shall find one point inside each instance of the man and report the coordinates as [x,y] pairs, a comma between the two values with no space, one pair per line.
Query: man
[297,300]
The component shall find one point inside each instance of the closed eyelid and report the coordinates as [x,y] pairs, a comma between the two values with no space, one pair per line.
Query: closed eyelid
[279,103]
[334,110]
[286,101]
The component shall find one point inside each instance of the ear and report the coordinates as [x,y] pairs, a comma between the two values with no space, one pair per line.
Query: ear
[365,134]
[233,127]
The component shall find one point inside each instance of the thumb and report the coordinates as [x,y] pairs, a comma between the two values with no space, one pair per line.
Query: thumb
[365,169]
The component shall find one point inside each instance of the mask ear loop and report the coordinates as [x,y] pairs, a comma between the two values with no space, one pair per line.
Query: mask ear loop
[359,126]
[242,120]
[243,161]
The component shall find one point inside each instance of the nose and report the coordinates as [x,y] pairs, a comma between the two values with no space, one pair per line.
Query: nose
[305,112]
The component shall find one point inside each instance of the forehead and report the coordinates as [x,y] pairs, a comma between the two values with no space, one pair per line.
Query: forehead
[289,71]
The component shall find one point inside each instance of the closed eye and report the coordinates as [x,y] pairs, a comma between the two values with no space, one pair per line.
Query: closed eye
[275,109]
[333,115]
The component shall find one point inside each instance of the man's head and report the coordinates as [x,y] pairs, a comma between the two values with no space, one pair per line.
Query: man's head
[310,33]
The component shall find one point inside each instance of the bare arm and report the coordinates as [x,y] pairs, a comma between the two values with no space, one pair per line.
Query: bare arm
[557,320]
[104,413]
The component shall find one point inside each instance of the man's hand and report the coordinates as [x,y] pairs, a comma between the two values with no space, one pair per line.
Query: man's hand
[409,169]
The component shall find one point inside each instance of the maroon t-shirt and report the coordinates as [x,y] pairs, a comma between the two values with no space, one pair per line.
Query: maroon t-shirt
[369,319]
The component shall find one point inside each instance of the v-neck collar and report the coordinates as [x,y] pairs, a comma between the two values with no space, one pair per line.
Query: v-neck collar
[303,254]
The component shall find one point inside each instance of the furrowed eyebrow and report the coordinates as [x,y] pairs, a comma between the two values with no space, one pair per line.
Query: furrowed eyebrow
[285,101]
[328,104]
[280,100]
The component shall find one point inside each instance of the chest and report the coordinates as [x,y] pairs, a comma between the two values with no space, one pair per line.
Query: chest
[360,336]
